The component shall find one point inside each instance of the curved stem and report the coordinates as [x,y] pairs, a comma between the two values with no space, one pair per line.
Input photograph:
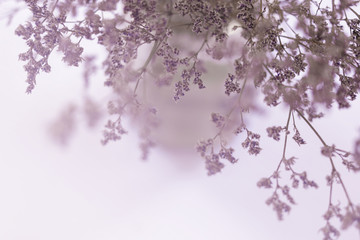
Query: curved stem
[285,141]
[143,68]
[233,108]
[354,12]
[331,161]
[330,194]
[312,128]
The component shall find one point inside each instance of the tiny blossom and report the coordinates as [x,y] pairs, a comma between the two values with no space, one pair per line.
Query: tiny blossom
[198,81]
[297,138]
[25,31]
[312,113]
[351,165]
[279,206]
[72,52]
[246,14]
[114,108]
[203,145]
[306,182]
[179,90]
[113,131]
[218,119]
[295,181]
[328,151]
[269,37]
[331,178]
[264,182]
[333,211]
[212,164]
[271,92]
[281,73]
[274,132]
[170,57]
[351,217]
[239,130]
[252,143]
[241,66]
[183,85]
[227,153]
[276,175]
[231,85]
[330,232]
[289,162]
[286,192]
[299,63]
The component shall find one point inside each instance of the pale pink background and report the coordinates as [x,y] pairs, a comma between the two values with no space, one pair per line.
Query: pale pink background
[87,191]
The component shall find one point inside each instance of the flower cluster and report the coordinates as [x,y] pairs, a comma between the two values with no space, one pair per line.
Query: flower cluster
[251,142]
[274,132]
[212,158]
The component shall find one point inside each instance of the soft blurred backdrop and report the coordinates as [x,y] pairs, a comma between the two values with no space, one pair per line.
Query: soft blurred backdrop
[88,191]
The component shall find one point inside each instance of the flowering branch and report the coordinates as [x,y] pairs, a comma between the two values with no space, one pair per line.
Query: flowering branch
[313,62]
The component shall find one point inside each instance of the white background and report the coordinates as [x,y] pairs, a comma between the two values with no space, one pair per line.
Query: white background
[88,191]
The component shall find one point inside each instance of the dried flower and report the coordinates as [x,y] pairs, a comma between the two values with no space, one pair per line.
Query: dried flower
[274,132]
